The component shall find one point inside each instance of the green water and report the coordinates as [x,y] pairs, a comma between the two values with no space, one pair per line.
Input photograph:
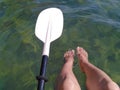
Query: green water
[92,24]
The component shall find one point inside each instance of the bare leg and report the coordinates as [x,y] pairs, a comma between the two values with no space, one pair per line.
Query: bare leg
[96,78]
[67,80]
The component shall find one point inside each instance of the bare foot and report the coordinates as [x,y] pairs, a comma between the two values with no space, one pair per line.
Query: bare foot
[66,79]
[82,57]
[69,56]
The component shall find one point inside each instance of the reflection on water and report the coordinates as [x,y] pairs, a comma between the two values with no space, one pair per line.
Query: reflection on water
[94,25]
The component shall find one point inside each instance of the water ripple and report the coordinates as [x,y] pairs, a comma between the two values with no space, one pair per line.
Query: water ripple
[106,12]
[98,18]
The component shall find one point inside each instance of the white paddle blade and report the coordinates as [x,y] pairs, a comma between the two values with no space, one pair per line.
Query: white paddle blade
[49,25]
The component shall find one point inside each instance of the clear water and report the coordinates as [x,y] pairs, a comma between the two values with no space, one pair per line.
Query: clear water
[92,24]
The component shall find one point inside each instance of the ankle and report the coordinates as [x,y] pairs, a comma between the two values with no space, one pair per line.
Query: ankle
[84,65]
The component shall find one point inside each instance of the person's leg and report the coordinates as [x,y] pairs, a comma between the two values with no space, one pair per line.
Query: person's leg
[96,79]
[66,79]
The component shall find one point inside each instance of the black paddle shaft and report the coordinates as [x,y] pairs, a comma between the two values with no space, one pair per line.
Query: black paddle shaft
[41,78]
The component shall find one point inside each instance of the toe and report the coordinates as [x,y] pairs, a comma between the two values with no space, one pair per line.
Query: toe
[81,51]
[72,52]
[69,53]
[65,54]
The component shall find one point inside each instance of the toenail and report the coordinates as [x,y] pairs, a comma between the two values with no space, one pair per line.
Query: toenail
[78,47]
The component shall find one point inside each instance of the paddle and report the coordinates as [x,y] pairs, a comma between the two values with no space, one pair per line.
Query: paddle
[48,28]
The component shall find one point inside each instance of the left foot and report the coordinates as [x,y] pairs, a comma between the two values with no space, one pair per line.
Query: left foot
[66,79]
[69,56]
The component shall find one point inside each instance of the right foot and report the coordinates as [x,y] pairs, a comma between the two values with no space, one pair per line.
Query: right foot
[82,57]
